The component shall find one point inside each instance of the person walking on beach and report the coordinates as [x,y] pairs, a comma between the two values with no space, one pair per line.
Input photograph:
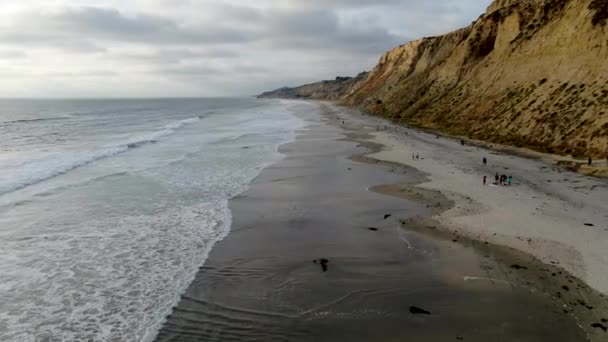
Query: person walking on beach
[484,179]
[496,179]
[413,155]
[509,180]
[589,162]
[485,161]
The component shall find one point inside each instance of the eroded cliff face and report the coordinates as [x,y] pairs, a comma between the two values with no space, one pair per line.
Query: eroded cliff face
[529,73]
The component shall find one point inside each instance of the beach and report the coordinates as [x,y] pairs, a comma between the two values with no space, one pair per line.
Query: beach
[348,238]
[560,217]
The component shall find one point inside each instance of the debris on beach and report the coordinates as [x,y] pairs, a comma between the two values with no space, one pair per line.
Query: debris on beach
[518,267]
[589,225]
[418,311]
[374,229]
[323,262]
[387,216]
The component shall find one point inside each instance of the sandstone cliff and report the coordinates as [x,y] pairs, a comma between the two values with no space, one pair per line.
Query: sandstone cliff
[324,90]
[530,73]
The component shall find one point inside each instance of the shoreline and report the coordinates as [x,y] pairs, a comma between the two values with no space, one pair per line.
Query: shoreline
[554,276]
[576,297]
[264,268]
[569,188]
[598,169]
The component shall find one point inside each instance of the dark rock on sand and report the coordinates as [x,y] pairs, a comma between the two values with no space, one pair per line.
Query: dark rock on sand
[387,216]
[418,311]
[323,262]
[599,326]
[566,288]
[373,229]
[518,267]
[589,225]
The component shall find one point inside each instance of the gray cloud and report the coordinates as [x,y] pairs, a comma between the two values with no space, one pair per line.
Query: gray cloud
[91,29]
[173,56]
[369,42]
[189,71]
[207,70]
[87,74]
[319,29]
[218,47]
[12,54]
[79,25]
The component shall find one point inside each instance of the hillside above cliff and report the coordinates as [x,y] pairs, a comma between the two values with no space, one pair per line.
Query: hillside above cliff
[530,73]
[324,90]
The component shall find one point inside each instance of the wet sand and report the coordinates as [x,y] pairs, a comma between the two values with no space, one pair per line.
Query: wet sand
[314,256]
[558,216]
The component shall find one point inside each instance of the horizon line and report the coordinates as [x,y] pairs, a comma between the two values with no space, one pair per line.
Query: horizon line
[128,98]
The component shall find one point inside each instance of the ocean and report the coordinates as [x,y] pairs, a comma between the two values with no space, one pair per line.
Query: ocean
[109,207]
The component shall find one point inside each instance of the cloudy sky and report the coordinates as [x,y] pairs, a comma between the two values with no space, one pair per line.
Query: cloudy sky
[154,48]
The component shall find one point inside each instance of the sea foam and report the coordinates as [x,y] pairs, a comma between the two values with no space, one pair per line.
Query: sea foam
[57,163]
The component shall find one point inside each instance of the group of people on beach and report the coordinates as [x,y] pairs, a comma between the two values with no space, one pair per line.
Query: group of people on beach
[498,179]
[503,179]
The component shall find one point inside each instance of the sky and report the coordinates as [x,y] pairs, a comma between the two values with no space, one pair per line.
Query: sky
[197,48]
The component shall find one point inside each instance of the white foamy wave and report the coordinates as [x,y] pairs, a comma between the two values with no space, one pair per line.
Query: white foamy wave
[154,136]
[114,279]
[179,124]
[55,164]
[107,259]
[52,165]
[25,121]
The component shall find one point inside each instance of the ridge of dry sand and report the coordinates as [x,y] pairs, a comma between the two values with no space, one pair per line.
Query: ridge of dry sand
[557,216]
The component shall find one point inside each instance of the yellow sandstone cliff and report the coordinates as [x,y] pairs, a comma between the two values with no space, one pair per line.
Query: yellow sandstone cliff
[530,73]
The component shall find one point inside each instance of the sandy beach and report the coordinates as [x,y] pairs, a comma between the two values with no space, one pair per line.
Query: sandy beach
[328,245]
[558,216]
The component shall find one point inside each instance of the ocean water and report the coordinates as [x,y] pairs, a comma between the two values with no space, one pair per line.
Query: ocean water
[109,207]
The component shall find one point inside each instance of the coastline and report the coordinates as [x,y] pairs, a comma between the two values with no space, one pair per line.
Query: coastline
[555,276]
[261,283]
[561,212]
